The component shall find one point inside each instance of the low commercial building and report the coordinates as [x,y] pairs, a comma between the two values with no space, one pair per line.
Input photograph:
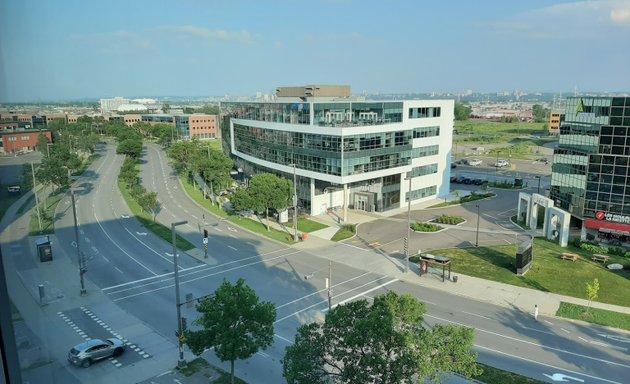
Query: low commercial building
[344,152]
[21,141]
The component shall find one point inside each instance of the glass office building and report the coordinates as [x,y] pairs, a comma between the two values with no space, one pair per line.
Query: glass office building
[591,167]
[347,153]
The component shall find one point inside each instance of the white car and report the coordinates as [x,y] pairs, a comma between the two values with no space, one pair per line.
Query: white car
[501,163]
[474,162]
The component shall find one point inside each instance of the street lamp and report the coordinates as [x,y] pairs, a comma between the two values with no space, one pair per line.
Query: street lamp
[477,235]
[181,362]
[328,283]
[408,225]
[39,217]
[82,268]
[538,191]
[294,203]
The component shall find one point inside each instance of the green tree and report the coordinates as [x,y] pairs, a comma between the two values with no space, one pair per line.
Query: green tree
[462,112]
[53,171]
[234,322]
[42,144]
[269,191]
[216,170]
[149,202]
[180,154]
[592,291]
[380,343]
[541,114]
[130,147]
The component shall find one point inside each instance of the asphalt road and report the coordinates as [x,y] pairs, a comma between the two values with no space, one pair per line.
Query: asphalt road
[134,271]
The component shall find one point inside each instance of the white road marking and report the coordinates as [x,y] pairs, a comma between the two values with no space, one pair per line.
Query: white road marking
[231,247]
[562,377]
[474,314]
[195,267]
[361,294]
[195,279]
[532,343]
[546,365]
[151,249]
[538,330]
[565,330]
[322,290]
[548,322]
[583,339]
[283,338]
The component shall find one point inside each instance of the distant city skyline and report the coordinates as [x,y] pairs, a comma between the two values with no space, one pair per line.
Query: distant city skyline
[75,50]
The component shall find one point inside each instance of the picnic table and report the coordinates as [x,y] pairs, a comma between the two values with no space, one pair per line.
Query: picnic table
[599,257]
[569,256]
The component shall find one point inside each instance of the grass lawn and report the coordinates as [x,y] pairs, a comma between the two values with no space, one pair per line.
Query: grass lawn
[306,225]
[492,375]
[345,232]
[47,212]
[213,374]
[594,315]
[548,273]
[147,221]
[517,135]
[256,226]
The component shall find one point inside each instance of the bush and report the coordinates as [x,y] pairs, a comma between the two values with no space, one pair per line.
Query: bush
[627,254]
[617,251]
[445,219]
[425,227]
[594,248]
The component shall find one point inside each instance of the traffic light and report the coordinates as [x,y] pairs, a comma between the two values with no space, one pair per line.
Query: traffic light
[184,324]
[205,233]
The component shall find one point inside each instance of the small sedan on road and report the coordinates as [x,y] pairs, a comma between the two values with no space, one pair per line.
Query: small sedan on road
[474,162]
[84,354]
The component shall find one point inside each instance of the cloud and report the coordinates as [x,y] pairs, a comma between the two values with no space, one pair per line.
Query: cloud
[568,20]
[114,41]
[211,35]
[620,16]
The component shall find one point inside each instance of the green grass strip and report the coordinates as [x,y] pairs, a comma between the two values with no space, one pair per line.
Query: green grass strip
[306,225]
[47,210]
[253,225]
[345,232]
[147,221]
[594,315]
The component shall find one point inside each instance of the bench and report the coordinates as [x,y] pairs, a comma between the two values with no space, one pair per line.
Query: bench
[569,256]
[598,257]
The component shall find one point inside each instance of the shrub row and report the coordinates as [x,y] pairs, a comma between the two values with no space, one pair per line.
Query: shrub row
[597,248]
[425,227]
[446,219]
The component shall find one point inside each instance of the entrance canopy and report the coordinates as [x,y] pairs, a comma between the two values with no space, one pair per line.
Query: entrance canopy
[607,226]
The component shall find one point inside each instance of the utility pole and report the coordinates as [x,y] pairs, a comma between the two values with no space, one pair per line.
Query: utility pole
[329,285]
[82,270]
[295,228]
[477,235]
[39,217]
[408,226]
[180,335]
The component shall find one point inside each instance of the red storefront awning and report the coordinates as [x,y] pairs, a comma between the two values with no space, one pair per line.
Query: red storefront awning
[607,226]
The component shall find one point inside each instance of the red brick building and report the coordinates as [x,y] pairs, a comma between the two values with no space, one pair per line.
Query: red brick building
[21,141]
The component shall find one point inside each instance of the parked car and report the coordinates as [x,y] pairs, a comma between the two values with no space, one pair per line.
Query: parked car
[460,179]
[474,162]
[543,160]
[453,165]
[453,178]
[501,163]
[84,354]
[467,180]
[479,181]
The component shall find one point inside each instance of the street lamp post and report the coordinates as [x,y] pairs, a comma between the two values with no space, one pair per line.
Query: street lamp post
[295,228]
[408,225]
[538,190]
[477,234]
[39,217]
[82,269]
[181,362]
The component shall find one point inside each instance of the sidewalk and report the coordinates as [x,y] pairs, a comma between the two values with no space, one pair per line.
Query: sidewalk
[42,353]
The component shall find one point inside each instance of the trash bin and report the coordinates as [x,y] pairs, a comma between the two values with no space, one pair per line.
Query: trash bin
[454,279]
[304,236]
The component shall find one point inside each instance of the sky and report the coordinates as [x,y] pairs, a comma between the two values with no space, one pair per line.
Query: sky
[72,50]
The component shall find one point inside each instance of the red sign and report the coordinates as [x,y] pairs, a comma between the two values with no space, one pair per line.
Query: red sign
[594,224]
[600,215]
